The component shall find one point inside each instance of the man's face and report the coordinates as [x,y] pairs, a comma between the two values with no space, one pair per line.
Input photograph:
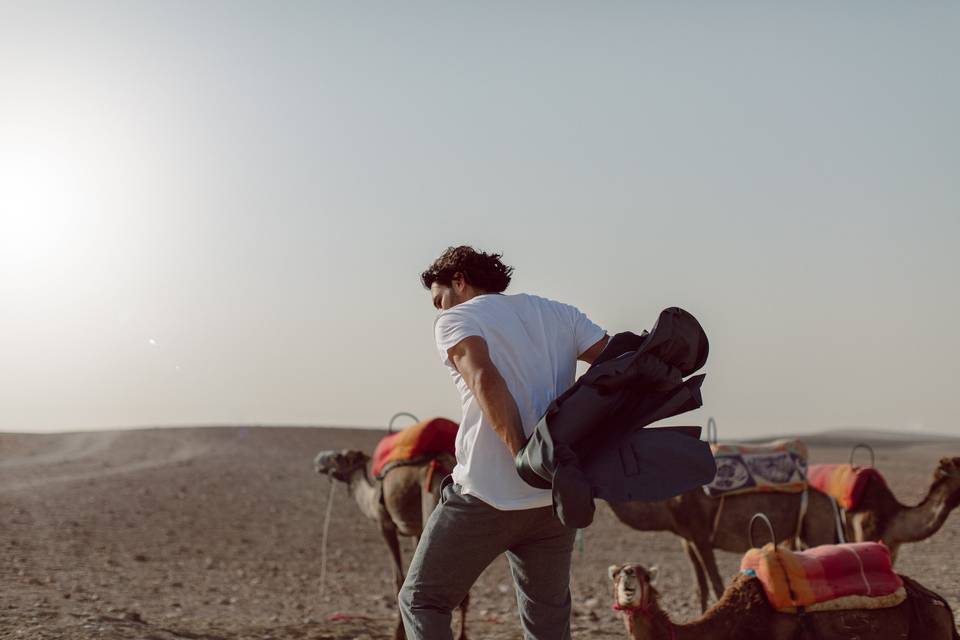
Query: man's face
[447,296]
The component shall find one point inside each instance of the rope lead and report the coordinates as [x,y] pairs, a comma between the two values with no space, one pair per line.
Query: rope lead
[323,544]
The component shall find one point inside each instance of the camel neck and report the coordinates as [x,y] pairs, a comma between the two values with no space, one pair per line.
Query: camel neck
[911,524]
[364,491]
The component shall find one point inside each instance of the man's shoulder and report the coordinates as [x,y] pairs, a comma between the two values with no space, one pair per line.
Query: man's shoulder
[491,307]
[472,312]
[532,299]
[528,299]
[494,303]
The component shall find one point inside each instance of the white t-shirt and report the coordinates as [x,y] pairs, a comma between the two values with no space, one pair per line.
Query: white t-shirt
[534,343]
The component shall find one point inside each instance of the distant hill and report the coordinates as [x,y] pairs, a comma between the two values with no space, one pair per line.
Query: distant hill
[872,437]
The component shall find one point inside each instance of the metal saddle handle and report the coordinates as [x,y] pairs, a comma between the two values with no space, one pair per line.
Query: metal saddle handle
[712,430]
[862,445]
[763,518]
[400,415]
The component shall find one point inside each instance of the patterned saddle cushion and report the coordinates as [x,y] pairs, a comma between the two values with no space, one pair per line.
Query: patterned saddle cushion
[421,441]
[839,576]
[844,482]
[776,466]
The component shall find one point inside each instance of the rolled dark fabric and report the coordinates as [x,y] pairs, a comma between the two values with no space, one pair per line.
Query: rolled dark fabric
[651,464]
[637,380]
[572,496]
[676,338]
[535,461]
[645,369]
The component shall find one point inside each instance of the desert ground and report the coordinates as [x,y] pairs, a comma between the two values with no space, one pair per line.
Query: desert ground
[209,533]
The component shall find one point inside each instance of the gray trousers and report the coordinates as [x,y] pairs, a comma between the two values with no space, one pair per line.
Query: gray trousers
[462,537]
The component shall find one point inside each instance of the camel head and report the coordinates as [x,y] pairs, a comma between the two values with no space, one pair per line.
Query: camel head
[340,464]
[949,468]
[633,585]
[949,471]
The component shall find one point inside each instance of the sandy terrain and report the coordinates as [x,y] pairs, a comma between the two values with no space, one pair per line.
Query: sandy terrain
[215,533]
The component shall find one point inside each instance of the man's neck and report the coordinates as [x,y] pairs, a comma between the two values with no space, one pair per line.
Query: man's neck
[473,293]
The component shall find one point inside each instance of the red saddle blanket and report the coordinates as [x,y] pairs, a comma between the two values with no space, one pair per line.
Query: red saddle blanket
[844,482]
[421,441]
[859,575]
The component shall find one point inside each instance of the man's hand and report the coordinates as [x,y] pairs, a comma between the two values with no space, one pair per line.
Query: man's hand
[472,359]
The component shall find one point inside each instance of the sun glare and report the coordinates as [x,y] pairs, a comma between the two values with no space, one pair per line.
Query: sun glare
[42,199]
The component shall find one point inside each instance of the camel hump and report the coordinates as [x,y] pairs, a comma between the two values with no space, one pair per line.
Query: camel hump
[418,443]
[825,578]
[778,466]
[845,483]
[792,445]
[447,461]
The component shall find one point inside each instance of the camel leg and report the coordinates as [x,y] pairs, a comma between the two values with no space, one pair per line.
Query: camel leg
[698,574]
[464,605]
[429,499]
[428,502]
[894,550]
[393,543]
[709,561]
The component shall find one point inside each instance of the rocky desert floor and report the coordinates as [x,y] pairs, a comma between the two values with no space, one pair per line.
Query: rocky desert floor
[210,533]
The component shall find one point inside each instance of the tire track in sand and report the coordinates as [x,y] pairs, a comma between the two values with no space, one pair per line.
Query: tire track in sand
[88,447]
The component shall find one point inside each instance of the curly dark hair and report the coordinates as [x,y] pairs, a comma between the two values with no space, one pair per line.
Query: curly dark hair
[482,270]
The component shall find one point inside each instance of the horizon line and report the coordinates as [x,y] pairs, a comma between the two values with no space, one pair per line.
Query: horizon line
[837,429]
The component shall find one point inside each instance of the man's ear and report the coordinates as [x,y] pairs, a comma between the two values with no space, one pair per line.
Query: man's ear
[653,572]
[458,282]
[612,571]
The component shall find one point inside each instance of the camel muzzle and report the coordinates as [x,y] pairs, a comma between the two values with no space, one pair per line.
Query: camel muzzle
[324,462]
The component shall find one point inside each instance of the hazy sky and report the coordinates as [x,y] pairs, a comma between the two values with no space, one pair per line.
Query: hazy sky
[218,212]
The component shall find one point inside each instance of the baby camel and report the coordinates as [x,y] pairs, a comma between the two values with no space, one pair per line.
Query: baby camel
[743,613]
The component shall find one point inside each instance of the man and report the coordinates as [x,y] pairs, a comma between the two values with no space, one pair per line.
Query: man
[509,355]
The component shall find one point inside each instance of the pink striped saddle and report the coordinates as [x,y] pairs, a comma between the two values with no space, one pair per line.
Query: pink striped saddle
[829,577]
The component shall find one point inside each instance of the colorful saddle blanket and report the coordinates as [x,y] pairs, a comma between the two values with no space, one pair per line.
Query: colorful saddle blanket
[844,482]
[777,466]
[829,577]
[422,441]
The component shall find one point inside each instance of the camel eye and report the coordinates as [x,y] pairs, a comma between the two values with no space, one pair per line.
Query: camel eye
[629,572]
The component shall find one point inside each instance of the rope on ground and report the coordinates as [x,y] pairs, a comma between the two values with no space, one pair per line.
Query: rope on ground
[323,544]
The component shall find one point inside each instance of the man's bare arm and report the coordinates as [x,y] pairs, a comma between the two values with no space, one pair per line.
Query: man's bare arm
[591,354]
[472,359]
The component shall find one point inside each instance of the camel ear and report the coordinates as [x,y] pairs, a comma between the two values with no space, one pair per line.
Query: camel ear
[652,573]
[612,571]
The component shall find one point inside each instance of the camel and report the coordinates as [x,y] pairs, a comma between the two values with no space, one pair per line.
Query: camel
[743,613]
[400,504]
[706,523]
[881,517]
